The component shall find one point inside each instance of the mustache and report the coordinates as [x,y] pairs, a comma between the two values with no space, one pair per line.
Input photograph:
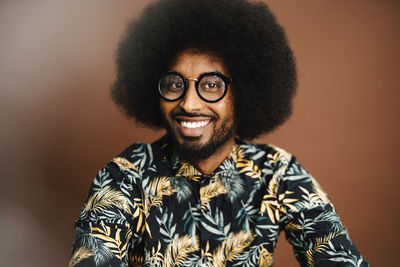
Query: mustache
[193,115]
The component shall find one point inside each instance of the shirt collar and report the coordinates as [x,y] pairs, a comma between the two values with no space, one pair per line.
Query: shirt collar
[182,168]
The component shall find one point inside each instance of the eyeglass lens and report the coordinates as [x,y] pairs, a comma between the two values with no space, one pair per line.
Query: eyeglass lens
[172,86]
[210,87]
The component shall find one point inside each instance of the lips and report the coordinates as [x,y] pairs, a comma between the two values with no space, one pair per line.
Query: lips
[194,124]
[191,126]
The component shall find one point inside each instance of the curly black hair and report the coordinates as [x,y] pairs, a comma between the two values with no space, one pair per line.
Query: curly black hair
[245,35]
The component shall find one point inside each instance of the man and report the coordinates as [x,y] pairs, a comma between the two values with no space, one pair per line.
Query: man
[213,73]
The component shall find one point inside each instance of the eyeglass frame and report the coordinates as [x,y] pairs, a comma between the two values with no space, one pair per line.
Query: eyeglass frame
[225,79]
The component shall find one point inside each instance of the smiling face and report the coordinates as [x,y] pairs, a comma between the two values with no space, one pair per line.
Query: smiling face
[198,129]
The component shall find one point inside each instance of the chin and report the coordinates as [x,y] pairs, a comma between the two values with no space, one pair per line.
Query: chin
[195,149]
[194,152]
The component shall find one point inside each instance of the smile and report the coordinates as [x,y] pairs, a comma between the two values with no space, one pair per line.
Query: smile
[194,124]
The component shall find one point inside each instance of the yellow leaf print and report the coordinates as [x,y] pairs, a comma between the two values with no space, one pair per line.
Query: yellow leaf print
[105,198]
[154,192]
[237,153]
[178,249]
[275,204]
[210,191]
[136,260]
[231,247]
[124,164]
[189,171]
[140,212]
[320,245]
[279,155]
[291,227]
[205,253]
[249,168]
[266,258]
[113,243]
[273,186]
[80,254]
[159,187]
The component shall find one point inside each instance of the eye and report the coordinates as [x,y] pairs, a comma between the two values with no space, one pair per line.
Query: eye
[175,85]
[171,86]
[211,84]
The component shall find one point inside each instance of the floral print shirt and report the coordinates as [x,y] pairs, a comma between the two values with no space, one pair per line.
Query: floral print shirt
[147,207]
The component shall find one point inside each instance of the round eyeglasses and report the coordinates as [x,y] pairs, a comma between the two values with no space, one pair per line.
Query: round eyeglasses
[210,86]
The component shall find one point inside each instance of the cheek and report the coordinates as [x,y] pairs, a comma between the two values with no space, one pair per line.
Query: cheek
[166,107]
[223,111]
[226,108]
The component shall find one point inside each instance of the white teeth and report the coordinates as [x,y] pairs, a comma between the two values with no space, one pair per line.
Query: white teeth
[192,125]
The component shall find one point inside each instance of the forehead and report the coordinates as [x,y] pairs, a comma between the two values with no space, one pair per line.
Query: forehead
[192,64]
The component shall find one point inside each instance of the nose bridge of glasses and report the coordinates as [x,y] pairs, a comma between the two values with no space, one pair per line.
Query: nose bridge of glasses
[192,79]
[194,84]
[195,81]
[191,99]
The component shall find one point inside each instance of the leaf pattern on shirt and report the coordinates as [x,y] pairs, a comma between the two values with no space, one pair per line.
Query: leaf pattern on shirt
[320,245]
[112,240]
[80,254]
[157,189]
[178,250]
[189,171]
[320,192]
[266,258]
[231,247]
[148,208]
[153,195]
[249,168]
[210,191]
[124,164]
[276,204]
[105,198]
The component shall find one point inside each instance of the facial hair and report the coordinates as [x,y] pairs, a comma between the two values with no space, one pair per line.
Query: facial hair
[193,152]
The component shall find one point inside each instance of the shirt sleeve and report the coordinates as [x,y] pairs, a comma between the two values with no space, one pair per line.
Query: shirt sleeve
[311,223]
[110,224]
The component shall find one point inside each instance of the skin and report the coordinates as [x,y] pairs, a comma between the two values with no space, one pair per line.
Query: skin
[213,115]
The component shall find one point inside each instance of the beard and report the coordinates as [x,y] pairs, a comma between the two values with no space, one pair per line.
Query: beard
[192,151]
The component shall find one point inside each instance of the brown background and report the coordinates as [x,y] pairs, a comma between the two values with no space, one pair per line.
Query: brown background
[58,125]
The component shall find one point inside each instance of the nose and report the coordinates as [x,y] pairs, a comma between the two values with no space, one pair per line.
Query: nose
[191,101]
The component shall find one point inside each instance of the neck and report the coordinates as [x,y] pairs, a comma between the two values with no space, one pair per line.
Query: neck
[211,163]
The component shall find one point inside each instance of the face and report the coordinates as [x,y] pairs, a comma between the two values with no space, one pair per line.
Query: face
[198,128]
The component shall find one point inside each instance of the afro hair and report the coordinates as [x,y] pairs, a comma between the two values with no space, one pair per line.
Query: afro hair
[244,35]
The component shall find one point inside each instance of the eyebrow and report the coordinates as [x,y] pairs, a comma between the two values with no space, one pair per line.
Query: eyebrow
[207,72]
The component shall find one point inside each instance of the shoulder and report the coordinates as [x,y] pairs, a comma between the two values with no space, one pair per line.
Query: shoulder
[287,181]
[296,182]
[284,169]
[283,163]
[285,166]
[123,173]
[269,155]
